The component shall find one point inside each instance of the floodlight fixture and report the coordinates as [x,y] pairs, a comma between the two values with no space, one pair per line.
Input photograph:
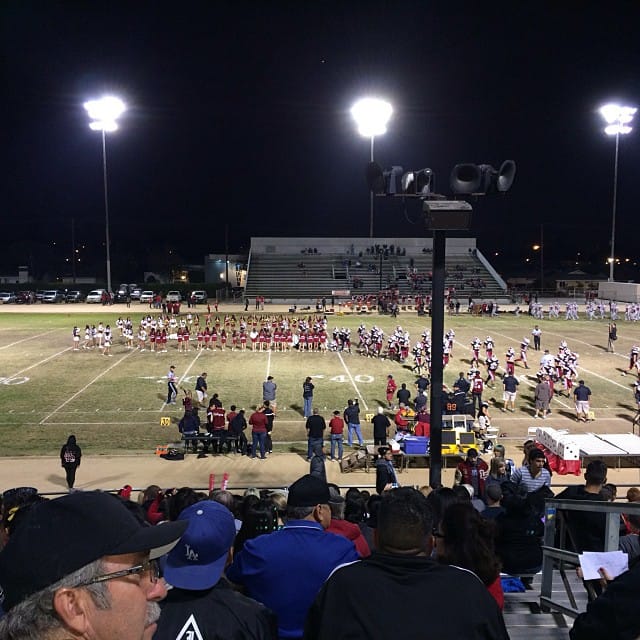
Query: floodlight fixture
[372,116]
[104,113]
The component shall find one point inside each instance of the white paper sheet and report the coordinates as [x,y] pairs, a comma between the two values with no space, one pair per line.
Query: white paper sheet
[615,563]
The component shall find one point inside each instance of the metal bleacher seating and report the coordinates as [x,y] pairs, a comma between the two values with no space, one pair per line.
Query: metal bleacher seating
[304,276]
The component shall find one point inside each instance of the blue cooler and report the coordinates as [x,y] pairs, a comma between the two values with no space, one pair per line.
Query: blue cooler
[416,444]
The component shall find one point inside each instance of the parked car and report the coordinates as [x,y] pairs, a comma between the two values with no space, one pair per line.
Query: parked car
[39,294]
[147,296]
[199,296]
[52,296]
[25,297]
[122,292]
[174,296]
[73,296]
[135,292]
[95,296]
[7,296]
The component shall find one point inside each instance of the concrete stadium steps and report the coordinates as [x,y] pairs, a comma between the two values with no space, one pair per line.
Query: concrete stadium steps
[281,276]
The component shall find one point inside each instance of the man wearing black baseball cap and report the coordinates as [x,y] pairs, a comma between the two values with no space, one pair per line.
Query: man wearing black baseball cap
[83,567]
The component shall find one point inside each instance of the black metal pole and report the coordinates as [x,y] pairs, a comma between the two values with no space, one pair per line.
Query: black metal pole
[437,338]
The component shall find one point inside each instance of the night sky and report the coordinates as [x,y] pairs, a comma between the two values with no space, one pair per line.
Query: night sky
[239,114]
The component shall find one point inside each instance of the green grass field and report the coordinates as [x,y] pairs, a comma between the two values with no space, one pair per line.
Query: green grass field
[115,404]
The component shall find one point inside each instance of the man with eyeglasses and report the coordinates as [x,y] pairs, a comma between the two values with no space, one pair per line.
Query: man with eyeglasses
[83,567]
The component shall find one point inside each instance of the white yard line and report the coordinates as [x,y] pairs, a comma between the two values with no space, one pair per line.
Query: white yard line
[37,364]
[184,375]
[268,365]
[353,382]
[6,346]
[86,386]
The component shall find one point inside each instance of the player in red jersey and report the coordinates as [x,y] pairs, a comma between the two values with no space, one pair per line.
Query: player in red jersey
[391,390]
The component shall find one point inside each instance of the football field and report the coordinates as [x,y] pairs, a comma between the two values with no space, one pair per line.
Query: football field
[118,403]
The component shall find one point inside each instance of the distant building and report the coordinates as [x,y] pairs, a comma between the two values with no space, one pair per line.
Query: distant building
[577,281]
[216,269]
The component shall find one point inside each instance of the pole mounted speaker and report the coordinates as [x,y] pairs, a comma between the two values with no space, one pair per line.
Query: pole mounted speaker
[506,176]
[383,183]
[465,179]
[417,183]
[474,179]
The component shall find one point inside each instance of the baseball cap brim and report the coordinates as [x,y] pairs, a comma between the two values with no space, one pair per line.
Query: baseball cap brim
[186,575]
[157,540]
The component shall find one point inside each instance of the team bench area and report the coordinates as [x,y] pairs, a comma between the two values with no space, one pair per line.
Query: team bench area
[224,442]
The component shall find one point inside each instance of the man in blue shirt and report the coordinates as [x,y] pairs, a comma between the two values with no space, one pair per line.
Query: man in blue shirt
[582,395]
[284,570]
[307,396]
[352,418]
[510,384]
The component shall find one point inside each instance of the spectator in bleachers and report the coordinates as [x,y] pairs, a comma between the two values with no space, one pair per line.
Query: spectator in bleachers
[200,597]
[285,569]
[473,471]
[465,540]
[104,582]
[520,531]
[532,475]
[437,601]
[341,526]
[259,518]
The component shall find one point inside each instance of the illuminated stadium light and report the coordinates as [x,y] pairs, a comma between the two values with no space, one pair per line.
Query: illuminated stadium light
[372,116]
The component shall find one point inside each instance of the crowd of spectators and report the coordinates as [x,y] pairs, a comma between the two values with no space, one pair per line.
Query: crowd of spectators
[292,563]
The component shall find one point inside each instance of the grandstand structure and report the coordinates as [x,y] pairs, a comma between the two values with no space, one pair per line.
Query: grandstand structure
[299,270]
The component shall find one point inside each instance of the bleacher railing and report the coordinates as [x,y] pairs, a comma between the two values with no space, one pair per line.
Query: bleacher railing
[558,557]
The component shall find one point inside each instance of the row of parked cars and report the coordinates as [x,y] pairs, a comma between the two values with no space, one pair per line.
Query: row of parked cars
[94,296]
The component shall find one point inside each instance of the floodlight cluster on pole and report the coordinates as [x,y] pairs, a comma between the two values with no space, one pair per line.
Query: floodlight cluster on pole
[372,116]
[618,119]
[104,114]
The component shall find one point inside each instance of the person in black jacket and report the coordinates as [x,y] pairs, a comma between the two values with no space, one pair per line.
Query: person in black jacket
[237,427]
[587,528]
[401,570]
[202,603]
[316,465]
[614,614]
[70,456]
[385,473]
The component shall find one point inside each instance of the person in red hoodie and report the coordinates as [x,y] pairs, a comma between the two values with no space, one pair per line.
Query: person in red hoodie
[342,527]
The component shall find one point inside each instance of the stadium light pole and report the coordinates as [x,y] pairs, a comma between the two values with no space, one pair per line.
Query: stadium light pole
[104,114]
[540,248]
[618,119]
[372,116]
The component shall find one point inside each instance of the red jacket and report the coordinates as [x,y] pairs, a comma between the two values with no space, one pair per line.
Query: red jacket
[336,425]
[351,532]
[258,422]
[483,473]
